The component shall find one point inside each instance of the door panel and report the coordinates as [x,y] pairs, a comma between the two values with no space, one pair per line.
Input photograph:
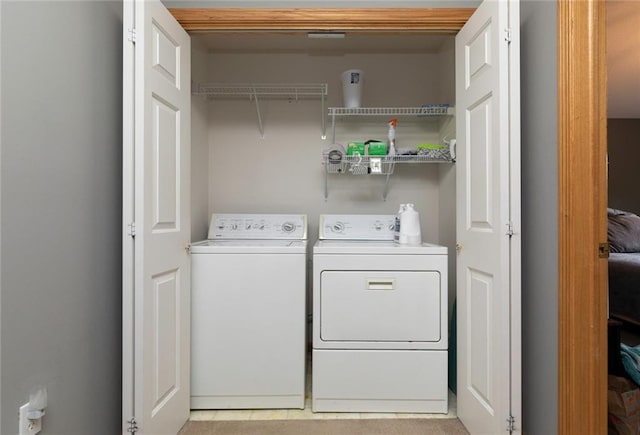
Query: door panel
[487,260]
[157,148]
[166,54]
[166,152]
[391,306]
[479,152]
[480,315]
[165,316]
[478,52]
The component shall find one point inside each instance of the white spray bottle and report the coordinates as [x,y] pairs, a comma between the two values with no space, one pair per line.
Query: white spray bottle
[392,137]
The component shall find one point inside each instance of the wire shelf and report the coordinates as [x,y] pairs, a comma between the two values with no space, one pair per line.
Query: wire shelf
[426,110]
[361,165]
[258,91]
[271,90]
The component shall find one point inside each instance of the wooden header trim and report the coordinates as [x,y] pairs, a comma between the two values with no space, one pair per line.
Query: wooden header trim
[444,20]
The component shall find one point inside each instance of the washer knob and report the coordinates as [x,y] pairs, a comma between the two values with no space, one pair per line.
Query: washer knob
[288,227]
[234,226]
[337,227]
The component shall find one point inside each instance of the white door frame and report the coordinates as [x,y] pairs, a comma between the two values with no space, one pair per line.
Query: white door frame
[128,217]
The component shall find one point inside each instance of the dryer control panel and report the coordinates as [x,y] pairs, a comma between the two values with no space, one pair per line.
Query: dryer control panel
[356,226]
[258,226]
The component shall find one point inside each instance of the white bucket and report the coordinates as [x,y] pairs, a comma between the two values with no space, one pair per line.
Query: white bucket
[352,88]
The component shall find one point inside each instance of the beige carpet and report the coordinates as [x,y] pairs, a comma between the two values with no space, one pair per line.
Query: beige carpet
[326,427]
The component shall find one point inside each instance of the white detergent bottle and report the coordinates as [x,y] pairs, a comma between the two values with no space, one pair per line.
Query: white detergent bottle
[396,229]
[410,226]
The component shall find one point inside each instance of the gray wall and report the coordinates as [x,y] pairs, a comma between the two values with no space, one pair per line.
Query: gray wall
[199,147]
[539,217]
[623,146]
[61,212]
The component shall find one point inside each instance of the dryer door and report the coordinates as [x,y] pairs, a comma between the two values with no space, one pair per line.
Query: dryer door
[380,306]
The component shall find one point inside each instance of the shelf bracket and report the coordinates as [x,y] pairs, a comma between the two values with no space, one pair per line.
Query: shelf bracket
[323,118]
[267,90]
[333,128]
[260,127]
[326,182]
[386,184]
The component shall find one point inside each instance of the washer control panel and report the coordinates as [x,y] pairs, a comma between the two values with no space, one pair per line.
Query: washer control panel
[258,226]
[356,226]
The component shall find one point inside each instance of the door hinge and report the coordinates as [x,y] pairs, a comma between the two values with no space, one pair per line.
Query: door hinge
[510,229]
[603,250]
[511,424]
[507,35]
[133,425]
[131,229]
[131,35]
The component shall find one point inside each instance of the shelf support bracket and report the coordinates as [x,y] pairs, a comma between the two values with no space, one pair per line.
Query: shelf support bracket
[386,183]
[260,127]
[333,128]
[323,117]
[326,182]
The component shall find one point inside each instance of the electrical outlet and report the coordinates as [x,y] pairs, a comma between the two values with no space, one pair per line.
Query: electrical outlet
[26,426]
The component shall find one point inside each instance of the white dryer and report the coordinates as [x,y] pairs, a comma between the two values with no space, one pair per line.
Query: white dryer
[248,322]
[379,319]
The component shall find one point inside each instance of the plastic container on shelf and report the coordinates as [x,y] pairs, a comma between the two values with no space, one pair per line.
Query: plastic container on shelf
[352,88]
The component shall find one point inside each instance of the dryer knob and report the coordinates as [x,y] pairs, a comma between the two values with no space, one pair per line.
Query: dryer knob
[338,227]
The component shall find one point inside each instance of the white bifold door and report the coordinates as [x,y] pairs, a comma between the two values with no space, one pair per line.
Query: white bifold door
[488,219]
[156,294]
[156,271]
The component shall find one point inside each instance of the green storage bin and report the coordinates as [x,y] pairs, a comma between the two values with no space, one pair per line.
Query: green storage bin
[377,148]
[354,148]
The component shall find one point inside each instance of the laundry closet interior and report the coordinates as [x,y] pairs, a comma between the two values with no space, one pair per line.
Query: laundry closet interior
[235,170]
[268,157]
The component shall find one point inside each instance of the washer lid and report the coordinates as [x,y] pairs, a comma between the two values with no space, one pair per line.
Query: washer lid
[249,247]
[362,247]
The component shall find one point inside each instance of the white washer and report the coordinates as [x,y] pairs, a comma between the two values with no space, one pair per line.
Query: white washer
[248,300]
[379,319]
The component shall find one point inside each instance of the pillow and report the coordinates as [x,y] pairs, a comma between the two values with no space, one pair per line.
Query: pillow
[623,231]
